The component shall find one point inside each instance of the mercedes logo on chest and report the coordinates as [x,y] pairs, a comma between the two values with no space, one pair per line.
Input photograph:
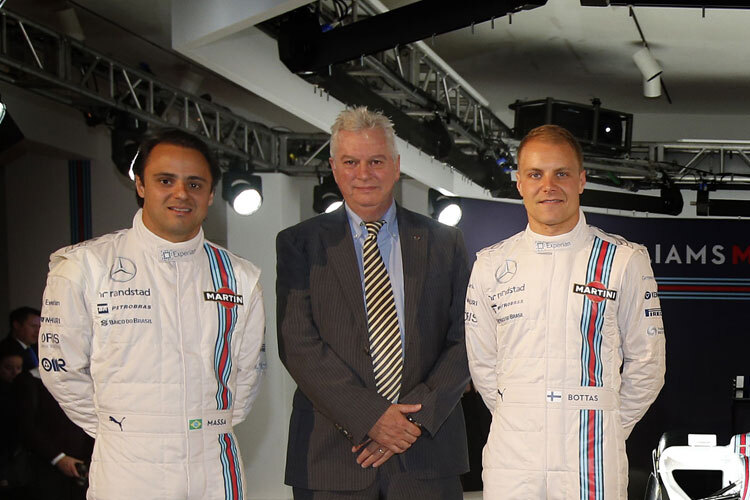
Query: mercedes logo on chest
[123,269]
[505,272]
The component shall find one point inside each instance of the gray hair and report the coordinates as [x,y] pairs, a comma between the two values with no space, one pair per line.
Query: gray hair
[361,118]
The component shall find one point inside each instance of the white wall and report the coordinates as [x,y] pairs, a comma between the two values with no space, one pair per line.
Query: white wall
[263,437]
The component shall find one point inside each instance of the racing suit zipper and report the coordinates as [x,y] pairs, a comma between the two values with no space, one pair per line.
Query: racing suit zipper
[178,298]
[547,385]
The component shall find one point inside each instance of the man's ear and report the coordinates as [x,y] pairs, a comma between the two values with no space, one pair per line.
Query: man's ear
[582,179]
[139,187]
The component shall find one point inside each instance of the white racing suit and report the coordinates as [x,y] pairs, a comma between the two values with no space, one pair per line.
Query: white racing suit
[550,322]
[155,349]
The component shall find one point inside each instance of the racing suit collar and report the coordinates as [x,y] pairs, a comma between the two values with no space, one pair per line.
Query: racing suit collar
[161,249]
[560,243]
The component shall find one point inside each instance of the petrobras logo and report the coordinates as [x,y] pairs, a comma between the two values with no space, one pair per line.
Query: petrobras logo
[53,365]
[224,296]
[652,313]
[170,254]
[122,270]
[497,307]
[595,291]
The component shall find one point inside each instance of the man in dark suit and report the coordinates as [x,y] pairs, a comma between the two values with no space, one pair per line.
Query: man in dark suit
[370,309]
[24,333]
[56,446]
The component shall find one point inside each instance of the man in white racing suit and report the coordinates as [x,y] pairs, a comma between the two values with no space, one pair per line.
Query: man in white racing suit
[564,338]
[152,338]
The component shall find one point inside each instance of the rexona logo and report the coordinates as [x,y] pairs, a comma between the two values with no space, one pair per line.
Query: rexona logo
[595,291]
[225,297]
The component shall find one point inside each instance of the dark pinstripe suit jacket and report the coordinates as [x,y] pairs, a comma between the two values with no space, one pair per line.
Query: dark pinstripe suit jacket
[323,342]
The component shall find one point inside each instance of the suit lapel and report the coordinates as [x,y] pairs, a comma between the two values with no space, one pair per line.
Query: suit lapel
[414,242]
[337,240]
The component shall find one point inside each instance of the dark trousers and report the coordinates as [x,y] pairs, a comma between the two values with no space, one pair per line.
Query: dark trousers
[392,483]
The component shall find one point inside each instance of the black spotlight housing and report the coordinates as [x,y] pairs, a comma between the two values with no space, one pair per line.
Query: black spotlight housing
[243,191]
[126,137]
[445,209]
[10,134]
[326,195]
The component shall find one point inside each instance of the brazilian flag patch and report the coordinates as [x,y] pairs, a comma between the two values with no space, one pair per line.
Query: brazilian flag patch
[195,424]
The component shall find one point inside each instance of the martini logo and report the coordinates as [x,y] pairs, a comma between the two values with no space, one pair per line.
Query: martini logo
[225,297]
[595,291]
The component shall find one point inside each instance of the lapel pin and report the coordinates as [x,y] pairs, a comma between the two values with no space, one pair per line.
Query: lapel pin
[417,237]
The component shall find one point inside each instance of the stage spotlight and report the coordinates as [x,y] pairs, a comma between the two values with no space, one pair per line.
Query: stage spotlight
[243,191]
[10,134]
[326,196]
[125,138]
[504,160]
[651,72]
[445,209]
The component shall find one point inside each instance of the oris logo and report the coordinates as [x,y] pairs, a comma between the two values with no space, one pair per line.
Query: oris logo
[50,338]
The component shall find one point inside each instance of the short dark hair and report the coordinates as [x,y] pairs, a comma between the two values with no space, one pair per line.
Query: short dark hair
[8,349]
[21,314]
[175,137]
[554,134]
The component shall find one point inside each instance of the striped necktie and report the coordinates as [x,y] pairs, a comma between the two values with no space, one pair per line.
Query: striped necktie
[382,320]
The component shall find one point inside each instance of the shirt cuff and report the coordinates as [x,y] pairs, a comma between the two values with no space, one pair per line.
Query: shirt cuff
[58,458]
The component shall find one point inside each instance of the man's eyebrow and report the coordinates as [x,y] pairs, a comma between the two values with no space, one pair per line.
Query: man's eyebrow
[175,176]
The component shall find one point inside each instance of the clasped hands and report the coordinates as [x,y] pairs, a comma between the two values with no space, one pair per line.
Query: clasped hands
[392,433]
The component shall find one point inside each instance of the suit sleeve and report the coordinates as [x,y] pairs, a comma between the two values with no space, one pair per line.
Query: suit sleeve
[481,336]
[251,364]
[65,344]
[331,385]
[643,342]
[441,390]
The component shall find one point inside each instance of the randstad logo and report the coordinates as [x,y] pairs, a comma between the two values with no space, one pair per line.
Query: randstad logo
[195,424]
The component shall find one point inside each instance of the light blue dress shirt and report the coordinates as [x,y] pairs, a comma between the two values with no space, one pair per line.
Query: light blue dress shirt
[389,245]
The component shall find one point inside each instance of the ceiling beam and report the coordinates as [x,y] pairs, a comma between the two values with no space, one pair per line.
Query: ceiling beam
[197,22]
[304,47]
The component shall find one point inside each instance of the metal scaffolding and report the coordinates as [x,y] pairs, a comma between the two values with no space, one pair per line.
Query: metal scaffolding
[51,64]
